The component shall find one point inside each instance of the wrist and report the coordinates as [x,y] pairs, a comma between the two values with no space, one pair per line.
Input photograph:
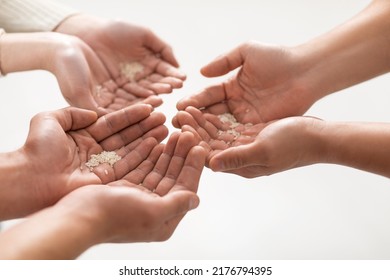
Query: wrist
[53,233]
[81,226]
[30,51]
[16,189]
[80,25]
[316,146]
[86,206]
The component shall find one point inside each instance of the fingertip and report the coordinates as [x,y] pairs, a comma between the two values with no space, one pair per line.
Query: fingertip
[205,71]
[216,164]
[201,151]
[193,202]
[175,122]
[180,105]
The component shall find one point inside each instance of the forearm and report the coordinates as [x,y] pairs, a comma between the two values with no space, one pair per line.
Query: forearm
[53,233]
[30,51]
[351,53]
[32,15]
[364,146]
[15,187]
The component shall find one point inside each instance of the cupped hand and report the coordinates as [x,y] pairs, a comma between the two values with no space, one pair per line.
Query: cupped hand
[268,86]
[60,143]
[255,150]
[150,201]
[84,80]
[140,64]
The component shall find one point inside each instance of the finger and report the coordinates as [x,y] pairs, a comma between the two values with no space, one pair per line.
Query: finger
[175,122]
[167,70]
[207,97]
[235,158]
[135,89]
[189,176]
[210,128]
[84,99]
[129,134]
[132,157]
[217,109]
[70,118]
[250,172]
[172,81]
[184,144]
[153,100]
[225,63]
[179,203]
[186,119]
[153,178]
[160,48]
[187,128]
[137,175]
[114,122]
[157,88]
[110,85]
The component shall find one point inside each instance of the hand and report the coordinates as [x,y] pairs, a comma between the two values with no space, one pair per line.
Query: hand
[123,47]
[60,143]
[255,150]
[78,70]
[268,85]
[84,80]
[146,206]
[151,200]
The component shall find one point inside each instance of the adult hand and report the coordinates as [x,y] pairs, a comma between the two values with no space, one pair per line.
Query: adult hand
[255,150]
[150,201]
[60,144]
[268,86]
[82,77]
[130,210]
[140,64]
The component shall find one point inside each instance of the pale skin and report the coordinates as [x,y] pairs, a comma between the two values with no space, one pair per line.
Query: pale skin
[278,82]
[52,161]
[146,206]
[87,65]
[116,42]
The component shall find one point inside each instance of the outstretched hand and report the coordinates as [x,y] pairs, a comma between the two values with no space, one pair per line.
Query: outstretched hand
[145,206]
[254,150]
[60,144]
[268,85]
[140,64]
[148,204]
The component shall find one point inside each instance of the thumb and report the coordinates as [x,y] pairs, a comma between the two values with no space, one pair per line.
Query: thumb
[225,63]
[179,202]
[234,158]
[72,118]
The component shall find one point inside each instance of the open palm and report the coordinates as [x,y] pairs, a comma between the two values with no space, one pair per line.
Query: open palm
[267,86]
[61,142]
[140,64]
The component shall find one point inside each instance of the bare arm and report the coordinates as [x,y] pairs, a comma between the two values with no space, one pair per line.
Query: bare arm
[351,53]
[275,82]
[301,141]
[264,149]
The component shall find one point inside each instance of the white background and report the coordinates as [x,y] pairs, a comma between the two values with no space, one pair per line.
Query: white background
[315,212]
